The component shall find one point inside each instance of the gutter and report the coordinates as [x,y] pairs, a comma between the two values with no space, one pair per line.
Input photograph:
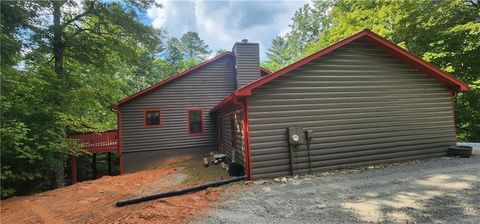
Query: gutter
[229,99]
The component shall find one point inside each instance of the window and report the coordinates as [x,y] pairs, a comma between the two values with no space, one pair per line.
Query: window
[195,121]
[153,119]
[233,133]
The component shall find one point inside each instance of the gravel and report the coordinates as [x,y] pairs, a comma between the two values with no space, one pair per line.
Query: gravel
[441,190]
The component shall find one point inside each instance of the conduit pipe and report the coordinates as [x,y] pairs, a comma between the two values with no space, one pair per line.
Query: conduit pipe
[178,192]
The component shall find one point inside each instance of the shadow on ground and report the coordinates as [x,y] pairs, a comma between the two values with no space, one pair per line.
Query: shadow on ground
[439,198]
[444,190]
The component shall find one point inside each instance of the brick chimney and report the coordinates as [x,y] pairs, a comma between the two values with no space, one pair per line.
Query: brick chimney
[247,62]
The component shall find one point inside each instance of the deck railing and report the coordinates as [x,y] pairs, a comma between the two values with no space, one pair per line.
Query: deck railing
[97,142]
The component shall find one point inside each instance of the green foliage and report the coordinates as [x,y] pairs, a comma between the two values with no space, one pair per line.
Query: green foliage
[30,134]
[174,50]
[278,54]
[193,47]
[105,53]
[189,48]
[220,51]
[67,77]
[467,111]
[184,53]
[445,33]
[181,54]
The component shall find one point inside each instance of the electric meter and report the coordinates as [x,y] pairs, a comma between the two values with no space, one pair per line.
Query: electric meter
[295,138]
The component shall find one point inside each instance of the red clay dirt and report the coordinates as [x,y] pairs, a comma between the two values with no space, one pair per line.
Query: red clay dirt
[94,201]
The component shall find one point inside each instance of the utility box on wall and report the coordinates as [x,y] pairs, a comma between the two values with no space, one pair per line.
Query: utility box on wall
[295,136]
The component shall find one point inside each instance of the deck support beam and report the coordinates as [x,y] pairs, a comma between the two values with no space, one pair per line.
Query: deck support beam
[73,167]
[109,161]
[94,166]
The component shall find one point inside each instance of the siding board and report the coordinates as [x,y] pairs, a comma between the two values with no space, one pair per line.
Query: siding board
[203,88]
[247,63]
[364,106]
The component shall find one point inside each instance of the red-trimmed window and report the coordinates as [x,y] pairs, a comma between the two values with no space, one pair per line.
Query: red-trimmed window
[195,121]
[153,118]
[233,134]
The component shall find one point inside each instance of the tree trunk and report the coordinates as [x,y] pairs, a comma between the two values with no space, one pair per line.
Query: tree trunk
[58,53]
[58,47]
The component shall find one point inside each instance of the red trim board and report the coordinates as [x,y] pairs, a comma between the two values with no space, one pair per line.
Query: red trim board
[367,35]
[453,83]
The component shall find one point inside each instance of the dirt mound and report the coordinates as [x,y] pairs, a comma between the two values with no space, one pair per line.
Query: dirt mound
[94,201]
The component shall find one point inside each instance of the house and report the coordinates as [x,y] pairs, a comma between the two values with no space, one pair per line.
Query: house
[360,101]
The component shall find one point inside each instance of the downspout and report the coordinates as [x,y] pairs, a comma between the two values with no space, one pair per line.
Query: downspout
[246,134]
[119,140]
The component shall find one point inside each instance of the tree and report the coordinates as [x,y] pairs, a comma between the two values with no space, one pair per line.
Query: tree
[445,33]
[13,132]
[307,24]
[193,47]
[89,55]
[73,30]
[278,54]
[174,54]
[182,54]
[220,51]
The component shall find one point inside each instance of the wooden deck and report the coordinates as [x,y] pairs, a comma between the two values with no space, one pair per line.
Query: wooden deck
[95,142]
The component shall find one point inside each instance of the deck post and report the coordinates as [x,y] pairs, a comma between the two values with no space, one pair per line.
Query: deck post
[109,158]
[73,166]
[94,166]
[97,142]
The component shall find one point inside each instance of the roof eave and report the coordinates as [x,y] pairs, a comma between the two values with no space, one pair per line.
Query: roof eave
[176,76]
[379,41]
[415,61]
[227,100]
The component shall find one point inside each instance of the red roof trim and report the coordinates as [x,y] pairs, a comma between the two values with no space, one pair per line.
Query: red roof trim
[224,102]
[176,76]
[413,60]
[366,35]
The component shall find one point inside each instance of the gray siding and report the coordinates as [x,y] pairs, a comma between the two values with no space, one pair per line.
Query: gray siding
[225,143]
[203,88]
[247,63]
[364,107]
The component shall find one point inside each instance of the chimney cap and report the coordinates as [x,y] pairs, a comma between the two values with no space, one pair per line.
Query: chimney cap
[244,40]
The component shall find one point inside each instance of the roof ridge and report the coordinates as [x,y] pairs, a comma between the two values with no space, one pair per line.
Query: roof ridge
[366,35]
[373,38]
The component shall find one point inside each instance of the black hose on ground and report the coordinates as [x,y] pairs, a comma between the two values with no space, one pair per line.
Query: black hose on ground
[179,192]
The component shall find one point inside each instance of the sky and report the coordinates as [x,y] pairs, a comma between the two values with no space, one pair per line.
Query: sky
[222,23]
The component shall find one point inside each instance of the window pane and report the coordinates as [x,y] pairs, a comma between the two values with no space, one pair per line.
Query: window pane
[153,118]
[195,121]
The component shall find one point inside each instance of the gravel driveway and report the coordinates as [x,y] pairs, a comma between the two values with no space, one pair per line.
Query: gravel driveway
[443,190]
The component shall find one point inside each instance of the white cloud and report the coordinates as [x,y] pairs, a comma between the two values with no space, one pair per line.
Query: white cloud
[220,23]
